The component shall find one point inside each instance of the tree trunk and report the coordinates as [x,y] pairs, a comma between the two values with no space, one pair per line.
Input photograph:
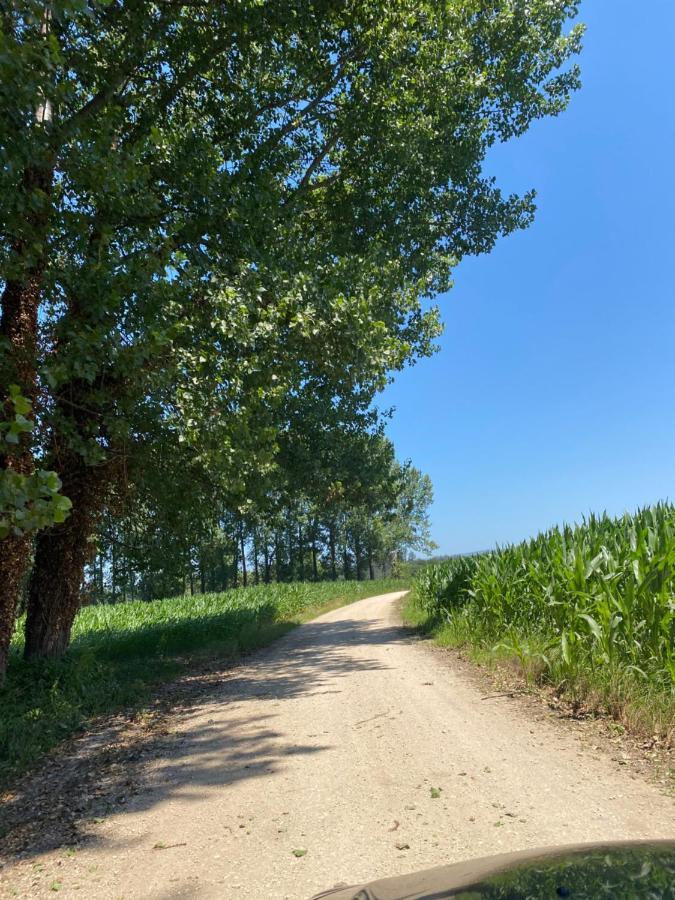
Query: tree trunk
[315,567]
[243,555]
[98,574]
[333,560]
[357,556]
[370,564]
[19,306]
[290,572]
[61,554]
[301,554]
[235,563]
[255,556]
[113,570]
[267,563]
[345,562]
[14,557]
[277,557]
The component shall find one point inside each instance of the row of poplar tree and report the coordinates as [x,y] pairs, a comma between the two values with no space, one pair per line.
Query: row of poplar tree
[357,531]
[219,223]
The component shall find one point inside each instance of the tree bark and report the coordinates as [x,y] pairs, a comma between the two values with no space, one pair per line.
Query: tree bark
[113,571]
[290,571]
[345,562]
[19,306]
[100,576]
[243,554]
[315,567]
[278,566]
[61,554]
[267,563]
[223,565]
[14,558]
[301,553]
[314,533]
[256,568]
[357,556]
[333,560]
[235,563]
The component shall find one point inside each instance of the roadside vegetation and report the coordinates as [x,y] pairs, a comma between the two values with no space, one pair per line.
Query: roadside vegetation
[589,609]
[120,652]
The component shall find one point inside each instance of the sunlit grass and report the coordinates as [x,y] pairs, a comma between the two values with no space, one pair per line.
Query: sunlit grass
[120,652]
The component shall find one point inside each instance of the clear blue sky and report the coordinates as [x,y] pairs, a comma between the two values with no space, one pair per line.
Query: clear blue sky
[554,391]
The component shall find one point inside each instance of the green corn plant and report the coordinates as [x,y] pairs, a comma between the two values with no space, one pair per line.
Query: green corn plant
[601,594]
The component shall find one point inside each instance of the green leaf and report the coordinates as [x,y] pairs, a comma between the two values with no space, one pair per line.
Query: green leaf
[565,647]
[22,406]
[593,625]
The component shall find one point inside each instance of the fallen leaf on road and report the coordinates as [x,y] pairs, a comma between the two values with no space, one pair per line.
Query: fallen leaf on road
[299,853]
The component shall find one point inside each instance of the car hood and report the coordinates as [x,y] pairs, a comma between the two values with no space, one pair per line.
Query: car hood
[643,868]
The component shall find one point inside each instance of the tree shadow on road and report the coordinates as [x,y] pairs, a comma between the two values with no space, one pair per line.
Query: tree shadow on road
[135,761]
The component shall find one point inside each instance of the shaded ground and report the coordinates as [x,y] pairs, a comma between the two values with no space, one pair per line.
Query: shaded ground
[348,739]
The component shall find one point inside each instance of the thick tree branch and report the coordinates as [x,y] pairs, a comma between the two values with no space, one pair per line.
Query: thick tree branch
[276,137]
[171,92]
[316,163]
[116,81]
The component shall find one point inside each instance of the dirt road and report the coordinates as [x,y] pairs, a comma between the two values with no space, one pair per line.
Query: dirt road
[352,741]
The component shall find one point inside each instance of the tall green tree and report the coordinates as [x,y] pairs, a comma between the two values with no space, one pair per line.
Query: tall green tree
[177,175]
[337,504]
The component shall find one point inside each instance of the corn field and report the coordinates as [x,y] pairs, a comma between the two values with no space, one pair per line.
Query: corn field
[179,624]
[596,598]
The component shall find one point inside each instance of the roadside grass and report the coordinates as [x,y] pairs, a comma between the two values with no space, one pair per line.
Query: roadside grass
[120,652]
[642,708]
[588,609]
